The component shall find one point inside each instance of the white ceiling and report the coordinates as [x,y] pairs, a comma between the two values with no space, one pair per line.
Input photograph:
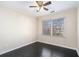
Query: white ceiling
[23,6]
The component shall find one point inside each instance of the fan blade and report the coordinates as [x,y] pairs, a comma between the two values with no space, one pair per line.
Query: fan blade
[40,3]
[48,3]
[45,9]
[37,2]
[32,6]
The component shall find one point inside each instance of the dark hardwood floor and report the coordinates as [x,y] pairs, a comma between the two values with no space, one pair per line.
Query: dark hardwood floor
[41,50]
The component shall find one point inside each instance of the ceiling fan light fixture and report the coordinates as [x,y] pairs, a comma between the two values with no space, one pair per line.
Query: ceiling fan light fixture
[42,5]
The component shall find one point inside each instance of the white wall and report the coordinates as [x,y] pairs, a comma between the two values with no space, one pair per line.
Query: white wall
[70,29]
[78,30]
[16,30]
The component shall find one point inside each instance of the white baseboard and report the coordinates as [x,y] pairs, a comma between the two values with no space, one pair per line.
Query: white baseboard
[77,51]
[17,47]
[41,42]
[59,45]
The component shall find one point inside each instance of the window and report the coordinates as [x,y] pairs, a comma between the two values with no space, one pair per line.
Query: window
[47,27]
[57,27]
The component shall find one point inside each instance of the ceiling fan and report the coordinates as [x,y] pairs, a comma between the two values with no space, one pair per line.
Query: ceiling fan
[41,4]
